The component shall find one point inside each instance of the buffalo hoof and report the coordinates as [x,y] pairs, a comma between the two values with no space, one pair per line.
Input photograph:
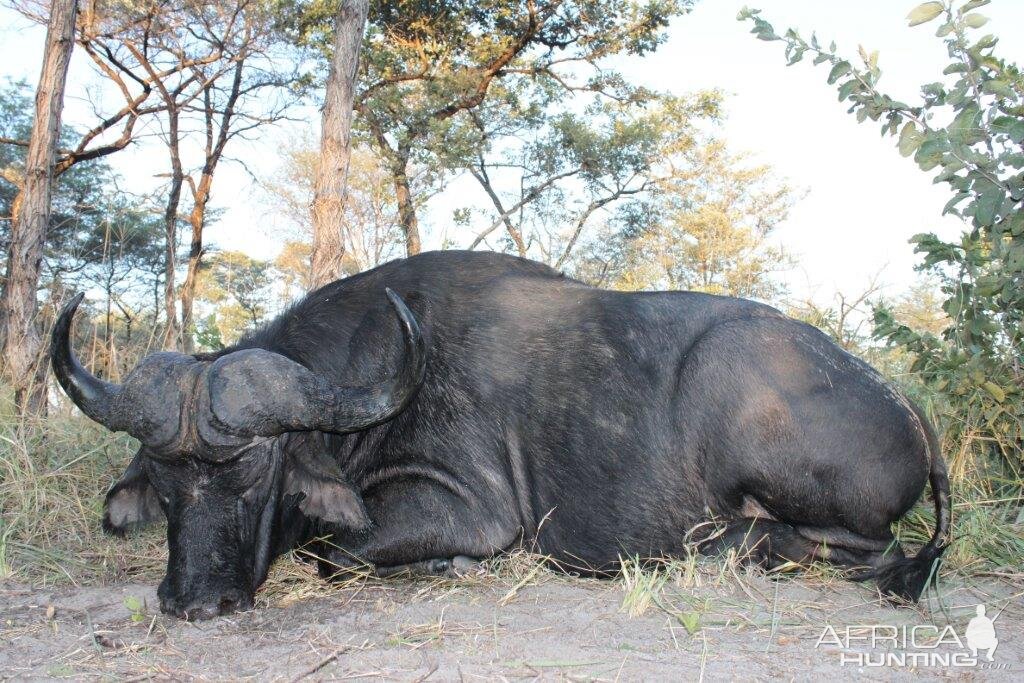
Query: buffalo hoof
[436,567]
[208,607]
[459,565]
[462,565]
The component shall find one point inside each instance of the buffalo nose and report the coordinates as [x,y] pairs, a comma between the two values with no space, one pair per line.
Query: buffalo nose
[208,608]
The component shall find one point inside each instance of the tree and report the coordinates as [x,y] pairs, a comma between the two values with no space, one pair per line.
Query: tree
[78,193]
[15,124]
[426,63]
[920,308]
[97,238]
[31,217]
[576,169]
[294,264]
[144,45]
[969,127]
[675,209]
[335,143]
[239,287]
[234,82]
[846,320]
[101,33]
[708,229]
[121,255]
[368,227]
[97,33]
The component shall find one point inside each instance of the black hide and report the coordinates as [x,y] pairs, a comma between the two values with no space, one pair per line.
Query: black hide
[590,425]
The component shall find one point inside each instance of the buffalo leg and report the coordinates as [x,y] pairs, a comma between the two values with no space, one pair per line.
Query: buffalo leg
[771,544]
[421,529]
[453,567]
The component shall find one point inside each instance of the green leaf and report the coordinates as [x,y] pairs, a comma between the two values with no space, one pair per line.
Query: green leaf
[975,20]
[930,153]
[690,621]
[995,390]
[136,607]
[847,88]
[999,87]
[951,204]
[1003,124]
[967,121]
[987,204]
[910,139]
[987,41]
[838,71]
[924,13]
[973,4]
[1016,226]
[1017,132]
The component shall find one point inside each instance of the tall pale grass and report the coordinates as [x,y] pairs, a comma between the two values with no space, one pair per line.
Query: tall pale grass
[53,474]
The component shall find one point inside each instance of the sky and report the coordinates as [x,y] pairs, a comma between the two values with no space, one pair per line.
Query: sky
[862,200]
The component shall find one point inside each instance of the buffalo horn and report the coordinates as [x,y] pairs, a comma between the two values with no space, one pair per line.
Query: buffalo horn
[260,393]
[95,397]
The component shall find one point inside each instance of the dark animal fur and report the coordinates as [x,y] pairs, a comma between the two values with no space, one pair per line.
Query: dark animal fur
[594,424]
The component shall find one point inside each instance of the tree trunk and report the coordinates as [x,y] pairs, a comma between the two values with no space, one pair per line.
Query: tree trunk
[406,208]
[108,333]
[504,215]
[22,343]
[172,335]
[335,143]
[195,256]
[188,291]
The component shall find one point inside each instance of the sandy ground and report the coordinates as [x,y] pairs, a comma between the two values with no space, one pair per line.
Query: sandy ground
[538,626]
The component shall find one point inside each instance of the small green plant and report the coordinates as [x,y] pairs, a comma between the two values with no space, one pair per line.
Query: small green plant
[136,608]
[642,581]
[690,621]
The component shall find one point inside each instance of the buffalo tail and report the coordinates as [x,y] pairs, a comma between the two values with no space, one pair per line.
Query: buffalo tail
[904,580]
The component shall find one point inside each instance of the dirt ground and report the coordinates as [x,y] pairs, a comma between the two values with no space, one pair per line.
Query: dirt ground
[537,625]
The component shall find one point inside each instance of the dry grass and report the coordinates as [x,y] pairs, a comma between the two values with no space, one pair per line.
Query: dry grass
[53,475]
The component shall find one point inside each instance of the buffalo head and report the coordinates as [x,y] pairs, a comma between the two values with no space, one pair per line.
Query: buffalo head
[212,459]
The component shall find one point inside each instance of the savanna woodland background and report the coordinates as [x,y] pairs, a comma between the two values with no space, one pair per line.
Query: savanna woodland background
[558,156]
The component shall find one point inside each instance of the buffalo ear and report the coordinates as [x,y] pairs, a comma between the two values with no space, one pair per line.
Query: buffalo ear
[325,493]
[131,503]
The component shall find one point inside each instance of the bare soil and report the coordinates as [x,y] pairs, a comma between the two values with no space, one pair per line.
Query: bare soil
[536,625]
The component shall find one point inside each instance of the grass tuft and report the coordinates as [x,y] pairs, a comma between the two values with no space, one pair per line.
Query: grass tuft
[53,475]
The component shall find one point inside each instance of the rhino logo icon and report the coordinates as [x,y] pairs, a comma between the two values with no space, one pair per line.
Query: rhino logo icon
[981,634]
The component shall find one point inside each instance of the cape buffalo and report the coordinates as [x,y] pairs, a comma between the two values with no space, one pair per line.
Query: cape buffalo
[504,403]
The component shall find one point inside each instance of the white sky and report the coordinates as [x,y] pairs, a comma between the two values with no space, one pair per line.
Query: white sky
[863,199]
